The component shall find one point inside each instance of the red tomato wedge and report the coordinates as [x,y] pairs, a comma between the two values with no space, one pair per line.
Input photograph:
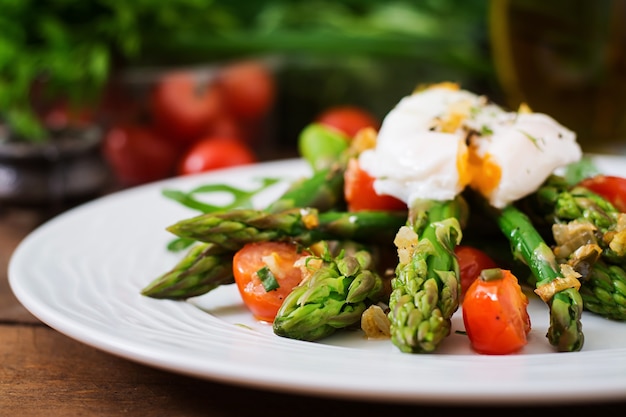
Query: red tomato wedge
[250,266]
[495,313]
[611,187]
[360,194]
[471,262]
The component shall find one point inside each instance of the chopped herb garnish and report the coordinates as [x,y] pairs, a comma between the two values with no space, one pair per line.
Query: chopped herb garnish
[240,198]
[485,130]
[267,279]
[578,171]
[533,139]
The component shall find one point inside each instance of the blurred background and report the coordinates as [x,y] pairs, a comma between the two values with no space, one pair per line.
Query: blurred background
[101,95]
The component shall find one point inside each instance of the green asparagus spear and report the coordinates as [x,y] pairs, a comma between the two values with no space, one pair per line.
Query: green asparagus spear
[586,233]
[233,229]
[323,190]
[320,146]
[200,272]
[204,268]
[604,291]
[556,203]
[334,296]
[557,287]
[327,153]
[426,288]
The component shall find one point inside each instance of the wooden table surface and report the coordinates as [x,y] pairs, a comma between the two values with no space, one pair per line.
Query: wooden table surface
[45,373]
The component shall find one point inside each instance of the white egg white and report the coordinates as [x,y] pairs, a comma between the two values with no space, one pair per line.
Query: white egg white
[439,140]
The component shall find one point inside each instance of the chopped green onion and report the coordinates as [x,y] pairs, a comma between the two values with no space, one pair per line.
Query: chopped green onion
[267,279]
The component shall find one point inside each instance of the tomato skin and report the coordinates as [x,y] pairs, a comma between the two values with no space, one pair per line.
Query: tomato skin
[248,89]
[611,187]
[495,315]
[471,262]
[61,115]
[248,260]
[348,119]
[182,107]
[138,154]
[359,191]
[215,152]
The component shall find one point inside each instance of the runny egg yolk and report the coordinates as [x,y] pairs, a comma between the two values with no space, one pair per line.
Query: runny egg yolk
[484,172]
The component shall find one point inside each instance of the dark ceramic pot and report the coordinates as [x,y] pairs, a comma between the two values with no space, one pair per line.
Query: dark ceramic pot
[67,168]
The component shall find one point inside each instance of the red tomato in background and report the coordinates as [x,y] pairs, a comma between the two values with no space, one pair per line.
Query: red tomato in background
[359,191]
[226,126]
[471,262]
[213,153]
[495,314]
[254,256]
[138,154]
[183,107]
[247,89]
[61,115]
[348,119]
[610,187]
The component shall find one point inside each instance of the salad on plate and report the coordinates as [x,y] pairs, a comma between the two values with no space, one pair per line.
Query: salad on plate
[454,203]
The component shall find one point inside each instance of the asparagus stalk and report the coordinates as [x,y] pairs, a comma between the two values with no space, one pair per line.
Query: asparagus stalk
[557,286]
[604,291]
[323,190]
[204,268]
[557,203]
[327,152]
[234,228]
[333,295]
[426,288]
[585,227]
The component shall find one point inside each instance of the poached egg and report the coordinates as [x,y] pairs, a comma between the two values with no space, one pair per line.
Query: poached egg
[441,139]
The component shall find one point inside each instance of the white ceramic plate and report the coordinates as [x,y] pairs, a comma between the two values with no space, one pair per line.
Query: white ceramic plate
[82,272]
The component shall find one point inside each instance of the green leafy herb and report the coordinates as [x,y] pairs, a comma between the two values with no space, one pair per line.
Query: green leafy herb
[240,198]
[578,171]
[533,139]
[486,130]
[267,279]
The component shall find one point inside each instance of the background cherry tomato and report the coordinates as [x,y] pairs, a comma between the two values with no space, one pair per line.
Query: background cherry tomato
[250,259]
[610,187]
[247,89]
[213,153]
[348,119]
[495,315]
[138,154]
[183,107]
[471,262]
[359,191]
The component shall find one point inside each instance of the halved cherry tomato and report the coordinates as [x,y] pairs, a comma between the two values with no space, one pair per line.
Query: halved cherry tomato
[215,152]
[247,88]
[138,154]
[348,119]
[495,313]
[611,187]
[359,191]
[471,262]
[183,107]
[279,258]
